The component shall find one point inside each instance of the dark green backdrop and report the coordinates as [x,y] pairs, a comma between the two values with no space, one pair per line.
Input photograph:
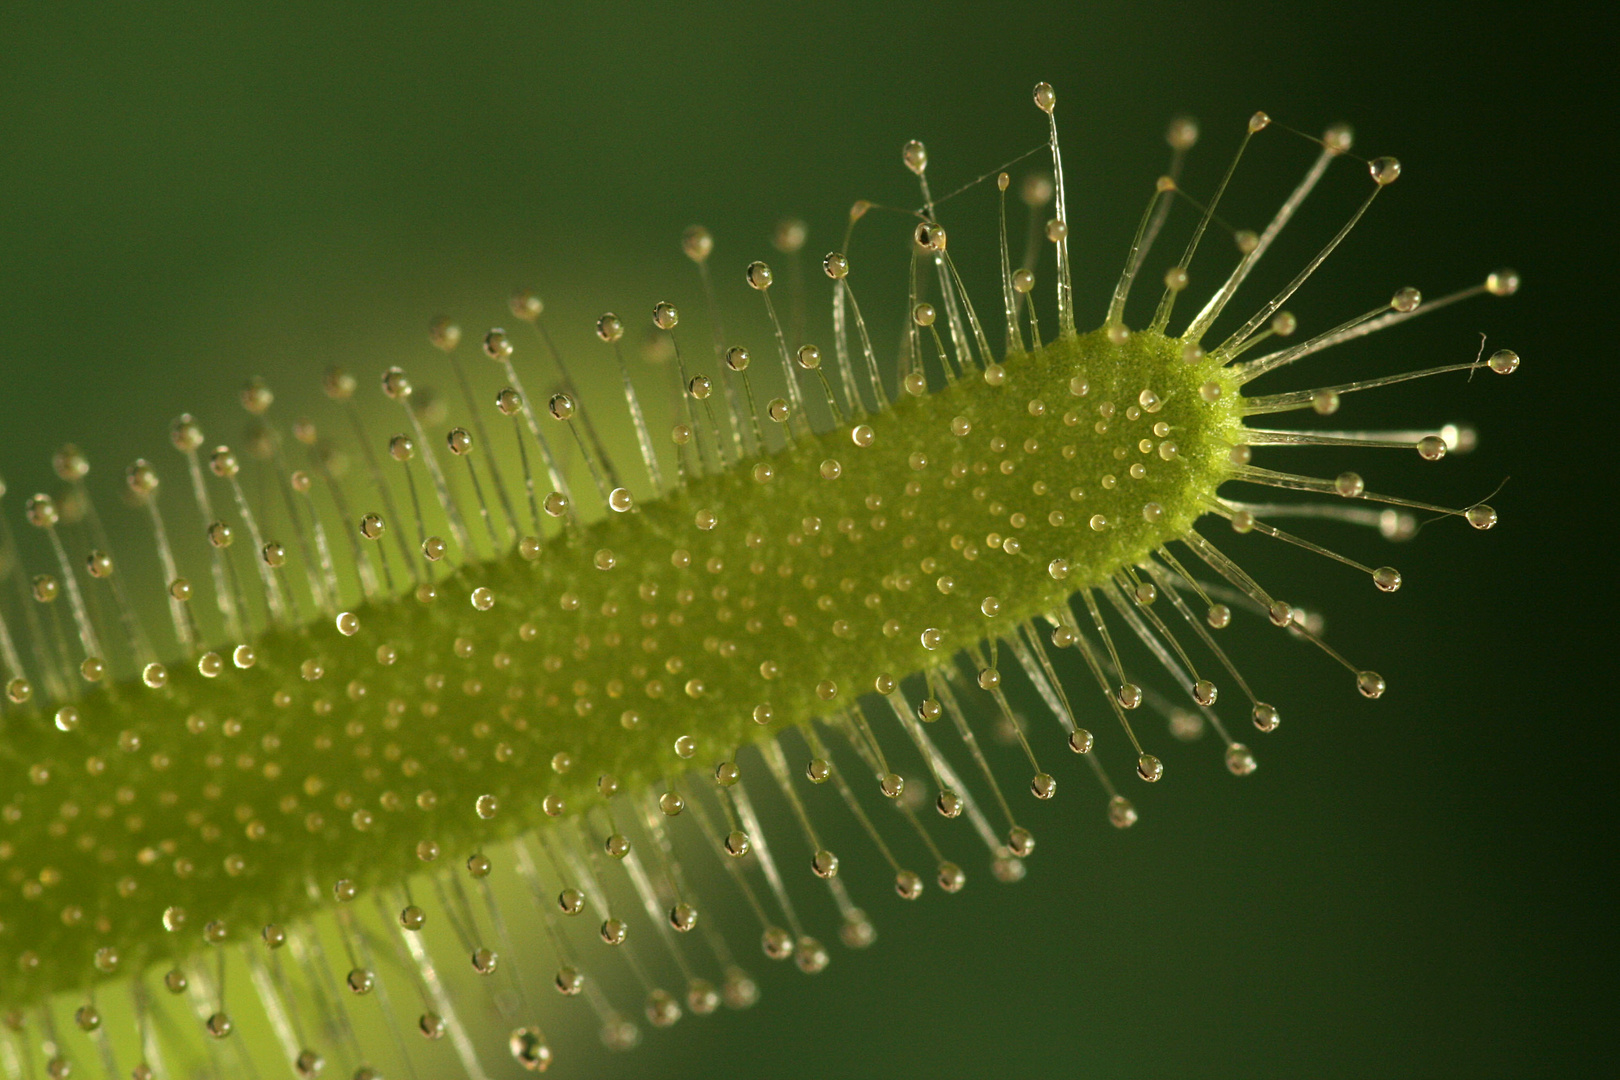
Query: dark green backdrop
[1404,889]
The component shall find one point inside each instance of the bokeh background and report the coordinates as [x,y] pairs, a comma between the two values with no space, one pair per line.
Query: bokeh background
[192,195]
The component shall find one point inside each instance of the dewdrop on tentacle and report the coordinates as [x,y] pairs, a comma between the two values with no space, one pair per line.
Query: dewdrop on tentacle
[409,690]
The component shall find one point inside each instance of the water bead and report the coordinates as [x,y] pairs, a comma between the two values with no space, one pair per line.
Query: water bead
[1480,516]
[220,534]
[1370,683]
[1504,361]
[1121,813]
[662,1009]
[915,156]
[810,955]
[609,328]
[1502,282]
[223,464]
[758,276]
[1384,170]
[336,383]
[309,1064]
[929,236]
[431,1025]
[528,1047]
[459,441]
[683,917]
[1240,760]
[665,315]
[397,387]
[697,242]
[908,884]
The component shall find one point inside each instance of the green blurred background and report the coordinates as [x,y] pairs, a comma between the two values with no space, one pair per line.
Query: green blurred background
[1406,888]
